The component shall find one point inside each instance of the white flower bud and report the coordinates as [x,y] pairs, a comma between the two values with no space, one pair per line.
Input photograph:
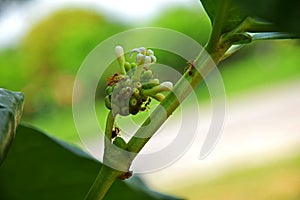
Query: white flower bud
[119,51]
[153,58]
[134,51]
[142,50]
[139,58]
[163,87]
[150,52]
[147,60]
[148,56]
[167,84]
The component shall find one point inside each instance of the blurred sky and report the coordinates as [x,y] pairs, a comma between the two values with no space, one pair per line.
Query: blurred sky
[16,20]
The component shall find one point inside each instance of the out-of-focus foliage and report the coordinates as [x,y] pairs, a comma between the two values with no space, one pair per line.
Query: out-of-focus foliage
[64,39]
[45,64]
[41,167]
[192,22]
[285,14]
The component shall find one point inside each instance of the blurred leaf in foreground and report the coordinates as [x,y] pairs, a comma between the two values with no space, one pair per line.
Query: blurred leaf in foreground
[41,167]
[11,105]
[285,14]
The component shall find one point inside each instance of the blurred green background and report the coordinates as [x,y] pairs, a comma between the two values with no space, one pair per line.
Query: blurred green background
[44,64]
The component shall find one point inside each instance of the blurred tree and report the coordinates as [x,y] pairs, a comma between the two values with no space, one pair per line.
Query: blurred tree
[55,49]
[191,22]
[45,64]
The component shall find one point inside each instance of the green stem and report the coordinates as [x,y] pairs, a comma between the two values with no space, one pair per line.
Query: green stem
[110,120]
[137,73]
[180,91]
[217,27]
[107,176]
[255,26]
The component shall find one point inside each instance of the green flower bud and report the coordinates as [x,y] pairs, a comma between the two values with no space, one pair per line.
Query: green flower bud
[159,97]
[109,90]
[149,85]
[147,74]
[138,85]
[155,80]
[163,87]
[129,92]
[108,102]
[127,66]
[133,65]
[135,92]
[120,142]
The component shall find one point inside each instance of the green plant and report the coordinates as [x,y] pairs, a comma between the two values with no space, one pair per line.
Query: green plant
[232,28]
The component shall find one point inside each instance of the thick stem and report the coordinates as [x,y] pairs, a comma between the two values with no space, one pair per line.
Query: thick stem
[106,177]
[110,120]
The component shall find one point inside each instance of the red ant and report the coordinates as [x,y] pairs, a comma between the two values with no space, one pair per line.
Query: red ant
[112,80]
[190,66]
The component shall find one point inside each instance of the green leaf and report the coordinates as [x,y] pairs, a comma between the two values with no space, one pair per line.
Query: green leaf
[284,13]
[40,167]
[238,38]
[11,105]
[273,35]
[232,15]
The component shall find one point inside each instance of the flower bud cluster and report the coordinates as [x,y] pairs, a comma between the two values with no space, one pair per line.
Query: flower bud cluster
[130,93]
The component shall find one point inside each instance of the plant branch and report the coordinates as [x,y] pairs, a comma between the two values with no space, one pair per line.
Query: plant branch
[204,63]
[217,27]
[180,91]
[107,176]
[110,120]
[255,26]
